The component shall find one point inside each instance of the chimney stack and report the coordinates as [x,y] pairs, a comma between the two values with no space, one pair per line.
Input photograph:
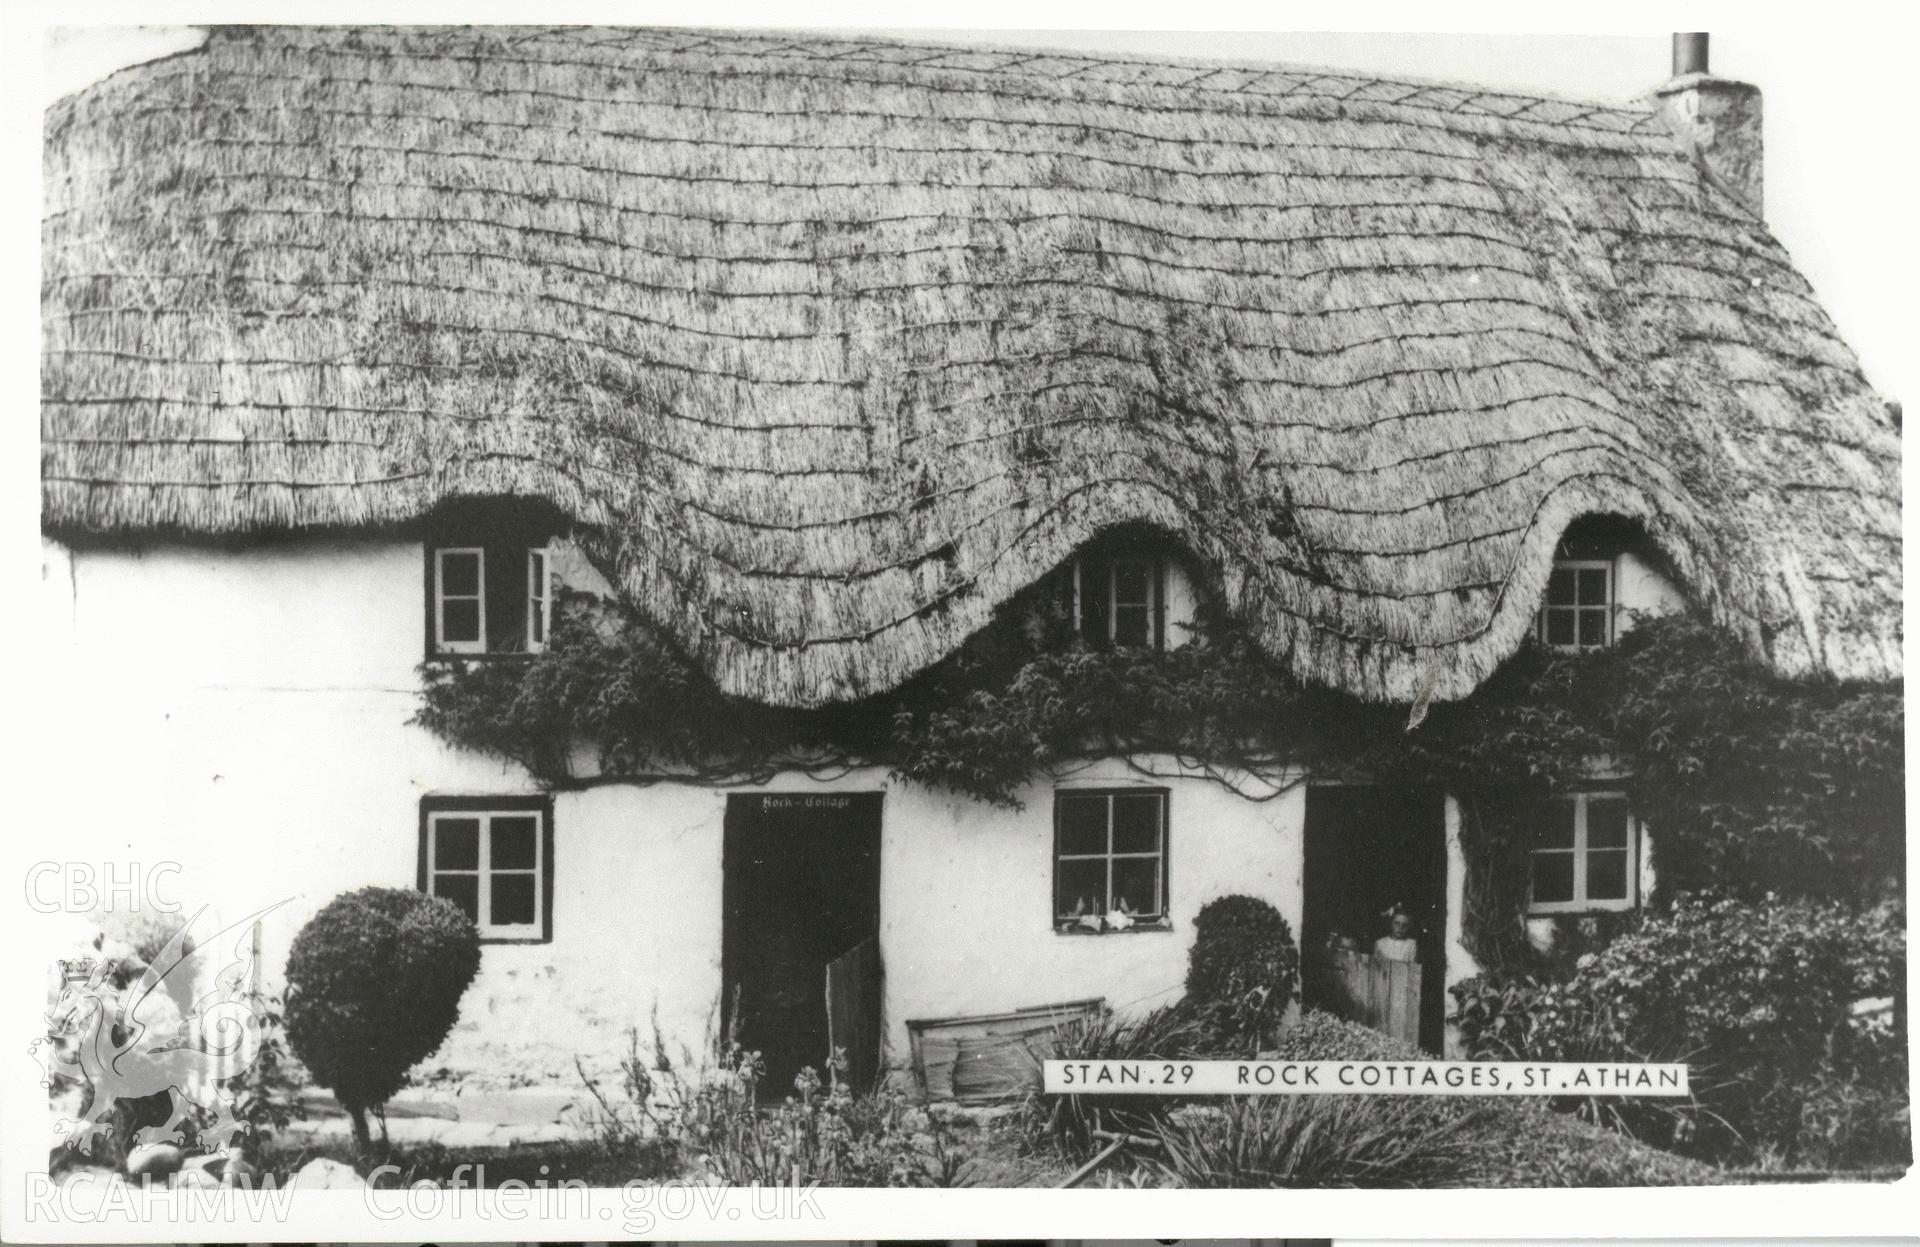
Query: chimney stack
[1689,54]
[1719,119]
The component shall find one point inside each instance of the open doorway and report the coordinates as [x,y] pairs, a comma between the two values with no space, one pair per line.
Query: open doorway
[1368,850]
[800,893]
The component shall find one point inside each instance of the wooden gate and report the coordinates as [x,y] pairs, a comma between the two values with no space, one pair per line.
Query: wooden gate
[854,992]
[1380,993]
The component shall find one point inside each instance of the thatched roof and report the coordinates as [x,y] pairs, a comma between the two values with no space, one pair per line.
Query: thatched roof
[837,343]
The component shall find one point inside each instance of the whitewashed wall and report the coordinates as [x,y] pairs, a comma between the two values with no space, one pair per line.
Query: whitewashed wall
[1641,589]
[967,907]
[244,713]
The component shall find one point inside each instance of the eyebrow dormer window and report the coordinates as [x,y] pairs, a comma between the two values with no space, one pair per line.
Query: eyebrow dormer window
[1120,600]
[1578,613]
[539,599]
[489,585]
[460,599]
[490,600]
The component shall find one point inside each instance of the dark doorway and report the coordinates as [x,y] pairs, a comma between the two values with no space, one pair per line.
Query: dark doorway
[1369,849]
[800,889]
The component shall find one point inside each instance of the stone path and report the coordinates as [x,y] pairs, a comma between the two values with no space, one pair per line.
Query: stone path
[471,1120]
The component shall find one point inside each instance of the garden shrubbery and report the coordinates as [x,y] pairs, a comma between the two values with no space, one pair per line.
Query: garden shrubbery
[1759,999]
[718,1125]
[1509,1142]
[1068,1122]
[1350,1141]
[1316,1141]
[374,982]
[1242,972]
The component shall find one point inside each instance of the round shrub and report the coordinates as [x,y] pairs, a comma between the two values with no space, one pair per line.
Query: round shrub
[1243,969]
[373,987]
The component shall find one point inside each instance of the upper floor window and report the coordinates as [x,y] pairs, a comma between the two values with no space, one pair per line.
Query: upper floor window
[489,583]
[1585,855]
[509,616]
[1578,613]
[539,599]
[1120,600]
[493,857]
[1110,859]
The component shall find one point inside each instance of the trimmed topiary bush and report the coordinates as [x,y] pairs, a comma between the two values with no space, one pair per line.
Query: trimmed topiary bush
[1243,970]
[373,987]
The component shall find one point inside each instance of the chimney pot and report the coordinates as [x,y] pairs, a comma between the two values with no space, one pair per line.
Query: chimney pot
[1689,54]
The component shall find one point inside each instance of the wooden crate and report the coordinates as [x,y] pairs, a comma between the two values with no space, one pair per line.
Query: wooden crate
[991,1057]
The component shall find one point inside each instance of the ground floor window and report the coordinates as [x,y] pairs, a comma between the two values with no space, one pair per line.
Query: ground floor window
[1586,854]
[1110,859]
[493,857]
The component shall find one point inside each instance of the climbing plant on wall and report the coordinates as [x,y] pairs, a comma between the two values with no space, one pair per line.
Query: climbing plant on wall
[1754,783]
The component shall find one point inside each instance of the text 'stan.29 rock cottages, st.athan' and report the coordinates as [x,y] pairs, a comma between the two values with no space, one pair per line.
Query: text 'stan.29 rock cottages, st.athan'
[366,352]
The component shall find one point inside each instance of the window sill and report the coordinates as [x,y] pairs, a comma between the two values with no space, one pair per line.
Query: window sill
[1584,910]
[501,655]
[1138,928]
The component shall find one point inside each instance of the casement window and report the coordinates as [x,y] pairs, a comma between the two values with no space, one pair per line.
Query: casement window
[1110,859]
[1586,855]
[1120,600]
[488,599]
[539,599]
[1578,612]
[459,600]
[493,857]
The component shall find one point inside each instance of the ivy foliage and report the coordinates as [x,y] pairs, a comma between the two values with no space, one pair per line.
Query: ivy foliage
[1755,783]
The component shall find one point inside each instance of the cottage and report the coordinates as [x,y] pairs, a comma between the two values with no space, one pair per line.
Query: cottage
[362,347]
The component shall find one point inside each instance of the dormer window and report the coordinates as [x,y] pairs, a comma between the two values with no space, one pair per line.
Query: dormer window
[460,600]
[539,599]
[1120,600]
[489,585]
[1578,613]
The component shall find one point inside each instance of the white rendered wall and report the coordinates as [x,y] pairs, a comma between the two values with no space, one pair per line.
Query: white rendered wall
[1182,604]
[244,714]
[1460,964]
[1641,589]
[967,905]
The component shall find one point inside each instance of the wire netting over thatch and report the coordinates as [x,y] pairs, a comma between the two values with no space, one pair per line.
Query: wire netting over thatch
[834,344]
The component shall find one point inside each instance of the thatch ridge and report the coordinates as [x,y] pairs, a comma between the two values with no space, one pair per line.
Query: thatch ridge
[833,344]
